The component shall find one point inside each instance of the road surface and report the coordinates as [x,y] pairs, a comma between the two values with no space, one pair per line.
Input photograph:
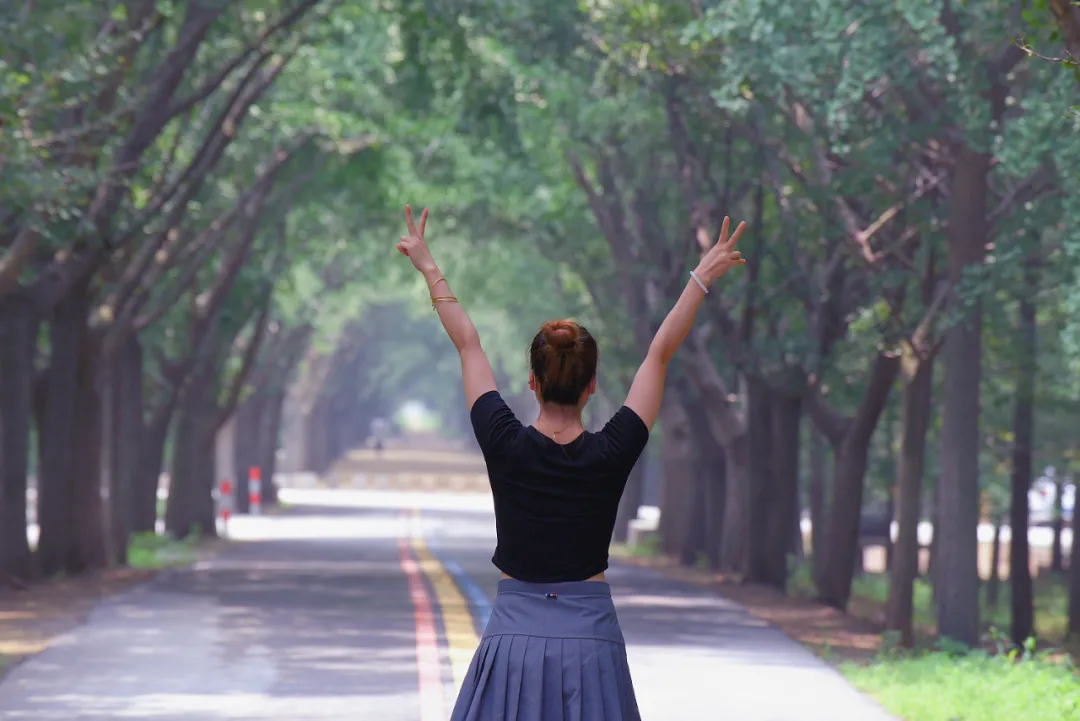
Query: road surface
[367,606]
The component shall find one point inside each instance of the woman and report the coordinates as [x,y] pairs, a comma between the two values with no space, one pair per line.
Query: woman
[553,649]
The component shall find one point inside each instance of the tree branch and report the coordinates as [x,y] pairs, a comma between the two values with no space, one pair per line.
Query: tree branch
[1067,15]
[142,273]
[883,374]
[251,352]
[16,257]
[832,424]
[726,421]
[204,91]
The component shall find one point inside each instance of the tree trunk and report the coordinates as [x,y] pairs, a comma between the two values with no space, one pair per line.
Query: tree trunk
[759,492]
[887,442]
[270,431]
[993,584]
[935,519]
[851,451]
[1022,600]
[151,462]
[676,493]
[87,499]
[735,526]
[1074,579]
[711,478]
[727,426]
[129,443]
[695,543]
[1057,555]
[318,436]
[190,506]
[18,348]
[798,546]
[782,501]
[818,504]
[958,576]
[890,518]
[57,430]
[107,382]
[914,423]
[246,440]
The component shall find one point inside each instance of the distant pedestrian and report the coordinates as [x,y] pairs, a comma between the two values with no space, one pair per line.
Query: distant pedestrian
[378,431]
[553,649]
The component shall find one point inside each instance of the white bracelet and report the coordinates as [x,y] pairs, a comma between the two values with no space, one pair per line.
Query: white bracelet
[698,281]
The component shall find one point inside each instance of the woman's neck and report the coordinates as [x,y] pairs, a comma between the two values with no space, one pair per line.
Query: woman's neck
[560,422]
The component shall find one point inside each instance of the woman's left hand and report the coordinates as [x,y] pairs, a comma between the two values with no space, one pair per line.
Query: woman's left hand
[413,245]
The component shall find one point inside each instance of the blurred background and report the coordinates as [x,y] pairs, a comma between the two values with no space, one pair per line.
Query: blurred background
[878,417]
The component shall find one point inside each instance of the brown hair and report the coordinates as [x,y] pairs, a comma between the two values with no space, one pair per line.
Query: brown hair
[563,360]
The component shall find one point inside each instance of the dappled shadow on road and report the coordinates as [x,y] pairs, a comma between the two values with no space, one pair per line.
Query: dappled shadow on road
[695,654]
[825,631]
[277,631]
[659,613]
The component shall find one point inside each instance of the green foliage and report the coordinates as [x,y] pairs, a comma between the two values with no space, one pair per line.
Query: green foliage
[149,550]
[976,686]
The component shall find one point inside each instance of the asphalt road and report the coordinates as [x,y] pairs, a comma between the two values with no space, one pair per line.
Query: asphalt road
[367,606]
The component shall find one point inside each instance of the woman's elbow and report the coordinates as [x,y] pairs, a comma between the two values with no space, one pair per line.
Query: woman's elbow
[660,354]
[468,342]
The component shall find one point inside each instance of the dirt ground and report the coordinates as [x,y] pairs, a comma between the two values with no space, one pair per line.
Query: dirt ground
[31,617]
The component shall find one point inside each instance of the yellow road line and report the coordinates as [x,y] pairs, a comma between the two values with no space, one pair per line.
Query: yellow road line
[454,609]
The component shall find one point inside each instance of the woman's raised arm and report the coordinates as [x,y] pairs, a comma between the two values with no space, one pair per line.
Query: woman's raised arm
[476,371]
[647,390]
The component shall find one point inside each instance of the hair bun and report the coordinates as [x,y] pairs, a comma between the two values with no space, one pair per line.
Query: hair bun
[561,334]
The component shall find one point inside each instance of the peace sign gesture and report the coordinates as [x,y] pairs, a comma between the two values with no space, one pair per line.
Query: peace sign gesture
[722,257]
[413,245]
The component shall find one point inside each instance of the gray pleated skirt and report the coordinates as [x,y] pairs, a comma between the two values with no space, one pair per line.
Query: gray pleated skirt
[551,652]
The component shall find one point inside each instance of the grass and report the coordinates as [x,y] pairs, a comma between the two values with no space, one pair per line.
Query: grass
[870,594]
[940,685]
[149,550]
[648,549]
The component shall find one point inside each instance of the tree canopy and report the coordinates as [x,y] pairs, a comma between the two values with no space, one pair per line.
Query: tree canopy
[201,200]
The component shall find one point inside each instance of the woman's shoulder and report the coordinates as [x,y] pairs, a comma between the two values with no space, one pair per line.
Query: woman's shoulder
[494,424]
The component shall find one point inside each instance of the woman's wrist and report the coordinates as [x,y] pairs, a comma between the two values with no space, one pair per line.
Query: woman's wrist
[703,275]
[432,275]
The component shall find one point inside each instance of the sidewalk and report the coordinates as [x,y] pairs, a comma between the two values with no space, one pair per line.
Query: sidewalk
[681,636]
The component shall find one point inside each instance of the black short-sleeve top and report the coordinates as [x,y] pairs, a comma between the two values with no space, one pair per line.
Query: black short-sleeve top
[555,505]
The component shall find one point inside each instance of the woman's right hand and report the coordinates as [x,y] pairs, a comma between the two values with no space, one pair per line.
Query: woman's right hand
[721,257]
[413,244]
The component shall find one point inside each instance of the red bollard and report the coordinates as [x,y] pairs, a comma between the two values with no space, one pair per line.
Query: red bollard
[225,503]
[254,491]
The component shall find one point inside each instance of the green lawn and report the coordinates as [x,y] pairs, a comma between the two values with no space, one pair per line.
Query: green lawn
[870,593]
[149,550]
[939,686]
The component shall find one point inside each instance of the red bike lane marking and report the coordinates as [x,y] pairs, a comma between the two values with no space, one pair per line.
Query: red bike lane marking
[428,663]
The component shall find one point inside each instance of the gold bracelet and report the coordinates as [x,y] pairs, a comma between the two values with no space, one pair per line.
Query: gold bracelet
[448,298]
[437,281]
